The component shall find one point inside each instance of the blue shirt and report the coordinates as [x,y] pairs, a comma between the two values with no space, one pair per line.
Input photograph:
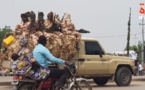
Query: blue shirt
[41,54]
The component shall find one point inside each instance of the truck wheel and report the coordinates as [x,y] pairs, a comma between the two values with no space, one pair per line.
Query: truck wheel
[101,81]
[123,76]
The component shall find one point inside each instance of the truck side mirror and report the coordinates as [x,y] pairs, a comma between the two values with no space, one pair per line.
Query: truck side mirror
[101,55]
[100,52]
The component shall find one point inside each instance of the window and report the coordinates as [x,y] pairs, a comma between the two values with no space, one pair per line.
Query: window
[93,48]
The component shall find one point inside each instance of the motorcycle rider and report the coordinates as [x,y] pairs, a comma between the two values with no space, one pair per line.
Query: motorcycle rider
[41,54]
[25,64]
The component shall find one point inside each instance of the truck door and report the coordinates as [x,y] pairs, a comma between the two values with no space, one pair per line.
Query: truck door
[96,62]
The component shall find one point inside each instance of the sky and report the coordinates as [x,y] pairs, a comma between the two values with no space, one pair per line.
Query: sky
[105,19]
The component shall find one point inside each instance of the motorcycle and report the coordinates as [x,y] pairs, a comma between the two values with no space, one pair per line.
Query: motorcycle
[73,83]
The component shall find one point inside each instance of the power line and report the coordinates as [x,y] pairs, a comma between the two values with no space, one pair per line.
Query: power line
[116,35]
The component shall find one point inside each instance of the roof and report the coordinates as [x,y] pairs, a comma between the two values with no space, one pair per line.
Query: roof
[88,38]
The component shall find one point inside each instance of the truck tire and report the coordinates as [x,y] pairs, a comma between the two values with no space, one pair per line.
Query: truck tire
[123,76]
[101,81]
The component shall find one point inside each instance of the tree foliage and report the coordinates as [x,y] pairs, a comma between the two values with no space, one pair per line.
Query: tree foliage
[3,31]
[139,49]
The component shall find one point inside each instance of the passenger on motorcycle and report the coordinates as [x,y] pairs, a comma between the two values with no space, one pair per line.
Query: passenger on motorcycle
[25,64]
[42,55]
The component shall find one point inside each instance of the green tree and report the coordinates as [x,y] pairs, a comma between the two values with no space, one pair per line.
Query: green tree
[3,31]
[139,49]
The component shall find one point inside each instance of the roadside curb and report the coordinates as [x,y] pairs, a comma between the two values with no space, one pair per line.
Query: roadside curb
[5,83]
[134,78]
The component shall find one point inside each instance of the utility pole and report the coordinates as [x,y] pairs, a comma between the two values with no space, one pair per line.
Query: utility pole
[128,36]
[135,38]
[142,38]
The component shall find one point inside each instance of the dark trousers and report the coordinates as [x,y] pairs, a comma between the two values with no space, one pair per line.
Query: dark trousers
[136,63]
[60,74]
[140,73]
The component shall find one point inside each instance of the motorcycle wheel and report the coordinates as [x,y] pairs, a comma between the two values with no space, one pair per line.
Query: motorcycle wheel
[82,85]
[74,88]
[26,86]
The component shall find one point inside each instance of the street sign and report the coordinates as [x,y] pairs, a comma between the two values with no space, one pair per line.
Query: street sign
[142,11]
